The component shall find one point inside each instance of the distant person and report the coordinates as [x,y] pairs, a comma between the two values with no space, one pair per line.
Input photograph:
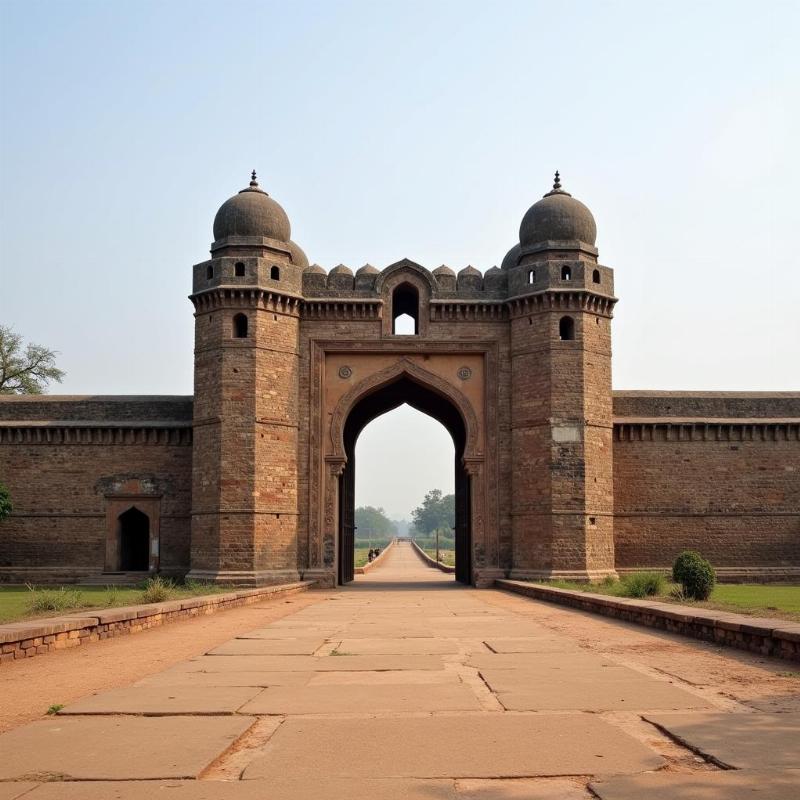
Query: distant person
[370,555]
[377,552]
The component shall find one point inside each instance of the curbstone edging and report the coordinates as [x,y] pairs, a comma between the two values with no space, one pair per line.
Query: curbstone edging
[41,636]
[768,637]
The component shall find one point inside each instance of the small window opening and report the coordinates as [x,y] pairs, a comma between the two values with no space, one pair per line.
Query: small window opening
[596,276]
[275,274]
[405,310]
[209,272]
[532,276]
[238,269]
[566,329]
[240,326]
[566,273]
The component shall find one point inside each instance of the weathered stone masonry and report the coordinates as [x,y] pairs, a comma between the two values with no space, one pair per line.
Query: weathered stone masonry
[249,480]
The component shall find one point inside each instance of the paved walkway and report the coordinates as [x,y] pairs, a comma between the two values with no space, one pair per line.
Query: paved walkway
[406,685]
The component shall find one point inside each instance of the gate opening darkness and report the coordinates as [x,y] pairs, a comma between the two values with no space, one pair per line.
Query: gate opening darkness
[435,405]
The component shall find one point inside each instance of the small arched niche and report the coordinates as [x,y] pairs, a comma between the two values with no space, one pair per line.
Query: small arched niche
[566,329]
[566,273]
[405,310]
[274,273]
[240,326]
[596,276]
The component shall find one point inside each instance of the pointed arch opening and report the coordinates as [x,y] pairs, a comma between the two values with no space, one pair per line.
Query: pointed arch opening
[134,541]
[405,310]
[240,326]
[404,390]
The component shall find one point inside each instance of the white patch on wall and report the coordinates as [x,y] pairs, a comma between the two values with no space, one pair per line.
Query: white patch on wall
[566,433]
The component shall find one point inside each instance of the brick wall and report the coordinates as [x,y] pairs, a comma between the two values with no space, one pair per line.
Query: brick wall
[725,486]
[61,478]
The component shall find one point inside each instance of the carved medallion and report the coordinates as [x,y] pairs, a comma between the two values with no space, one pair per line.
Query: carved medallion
[465,373]
[345,372]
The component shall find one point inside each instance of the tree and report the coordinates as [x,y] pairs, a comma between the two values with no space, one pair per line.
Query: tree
[373,523]
[28,371]
[436,512]
[5,502]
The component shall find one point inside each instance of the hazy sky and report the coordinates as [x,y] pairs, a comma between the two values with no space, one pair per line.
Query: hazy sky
[418,129]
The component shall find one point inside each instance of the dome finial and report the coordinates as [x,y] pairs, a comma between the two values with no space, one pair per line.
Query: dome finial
[556,182]
[253,181]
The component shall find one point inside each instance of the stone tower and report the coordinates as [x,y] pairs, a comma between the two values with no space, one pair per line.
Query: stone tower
[560,302]
[244,465]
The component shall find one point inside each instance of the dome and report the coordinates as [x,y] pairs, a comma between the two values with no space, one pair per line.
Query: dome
[368,269]
[298,255]
[511,258]
[469,270]
[252,212]
[559,217]
[341,269]
[444,270]
[315,269]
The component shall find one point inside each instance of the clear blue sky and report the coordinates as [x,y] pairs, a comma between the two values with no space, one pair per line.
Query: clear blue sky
[419,129]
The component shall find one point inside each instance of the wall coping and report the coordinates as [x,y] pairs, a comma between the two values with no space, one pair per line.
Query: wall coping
[432,562]
[82,626]
[370,564]
[764,635]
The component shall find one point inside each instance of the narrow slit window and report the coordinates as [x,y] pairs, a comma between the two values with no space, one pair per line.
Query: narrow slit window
[566,273]
[275,273]
[209,272]
[566,329]
[240,326]
[238,268]
[596,276]
[532,276]
[405,310]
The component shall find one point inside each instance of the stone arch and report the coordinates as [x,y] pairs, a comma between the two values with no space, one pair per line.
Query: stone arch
[405,368]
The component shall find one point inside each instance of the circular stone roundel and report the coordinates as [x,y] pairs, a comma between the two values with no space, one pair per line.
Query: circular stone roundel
[465,373]
[345,372]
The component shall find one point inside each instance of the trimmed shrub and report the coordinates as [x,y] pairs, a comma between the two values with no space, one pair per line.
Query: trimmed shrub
[698,579]
[681,562]
[642,584]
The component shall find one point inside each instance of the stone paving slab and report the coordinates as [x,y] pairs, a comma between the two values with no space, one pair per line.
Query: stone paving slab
[354,699]
[524,789]
[268,647]
[165,700]
[117,748]
[536,662]
[610,689]
[407,676]
[338,663]
[11,791]
[722,785]
[738,741]
[181,677]
[358,647]
[538,644]
[477,745]
[310,788]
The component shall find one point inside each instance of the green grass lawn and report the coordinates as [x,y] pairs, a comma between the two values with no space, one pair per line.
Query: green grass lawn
[445,556]
[757,599]
[17,602]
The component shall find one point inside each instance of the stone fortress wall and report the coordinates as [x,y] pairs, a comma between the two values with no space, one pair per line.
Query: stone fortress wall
[247,481]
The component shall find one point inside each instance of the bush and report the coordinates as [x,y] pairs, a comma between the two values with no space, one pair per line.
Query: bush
[642,584]
[698,579]
[681,563]
[60,599]
[157,590]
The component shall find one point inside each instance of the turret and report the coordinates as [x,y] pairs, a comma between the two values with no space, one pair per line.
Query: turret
[244,472]
[560,303]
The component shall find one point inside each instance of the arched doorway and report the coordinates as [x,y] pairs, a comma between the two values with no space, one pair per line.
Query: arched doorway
[382,400]
[134,541]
